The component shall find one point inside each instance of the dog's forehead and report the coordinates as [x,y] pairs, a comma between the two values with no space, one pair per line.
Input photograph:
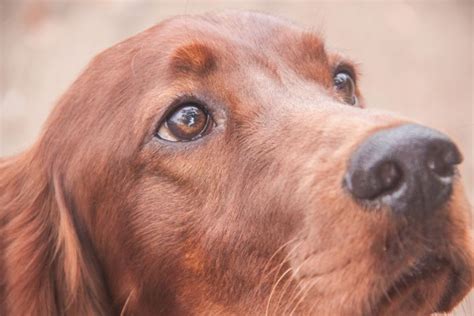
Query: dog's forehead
[238,27]
[239,34]
[198,45]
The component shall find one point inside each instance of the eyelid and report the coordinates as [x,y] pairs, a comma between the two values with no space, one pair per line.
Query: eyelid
[163,128]
[180,101]
[346,68]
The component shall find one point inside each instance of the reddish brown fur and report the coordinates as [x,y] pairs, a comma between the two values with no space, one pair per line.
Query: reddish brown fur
[99,217]
[195,58]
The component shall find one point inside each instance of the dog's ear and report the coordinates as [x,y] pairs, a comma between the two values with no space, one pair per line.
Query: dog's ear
[47,267]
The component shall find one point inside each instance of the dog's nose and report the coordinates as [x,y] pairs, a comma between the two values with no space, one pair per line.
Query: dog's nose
[408,168]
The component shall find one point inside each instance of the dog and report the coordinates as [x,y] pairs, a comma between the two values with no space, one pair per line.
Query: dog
[226,164]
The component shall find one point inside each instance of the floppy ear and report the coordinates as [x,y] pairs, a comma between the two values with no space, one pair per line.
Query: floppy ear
[46,266]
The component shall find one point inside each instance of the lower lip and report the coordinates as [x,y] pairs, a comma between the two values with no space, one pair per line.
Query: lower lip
[426,269]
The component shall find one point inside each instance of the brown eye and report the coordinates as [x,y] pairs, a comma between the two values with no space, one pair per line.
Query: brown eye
[345,87]
[188,122]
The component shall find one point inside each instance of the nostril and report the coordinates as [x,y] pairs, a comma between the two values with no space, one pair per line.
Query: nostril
[390,176]
[374,181]
[440,168]
[442,160]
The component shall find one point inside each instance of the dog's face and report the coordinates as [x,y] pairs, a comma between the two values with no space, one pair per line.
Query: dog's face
[208,161]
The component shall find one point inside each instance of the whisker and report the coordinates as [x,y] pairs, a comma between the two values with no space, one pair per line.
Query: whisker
[267,265]
[277,269]
[296,270]
[307,289]
[274,290]
[127,301]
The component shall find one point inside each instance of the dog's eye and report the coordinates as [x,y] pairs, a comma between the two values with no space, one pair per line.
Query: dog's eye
[188,122]
[345,86]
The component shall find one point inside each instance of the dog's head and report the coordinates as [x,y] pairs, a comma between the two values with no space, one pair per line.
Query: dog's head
[227,164]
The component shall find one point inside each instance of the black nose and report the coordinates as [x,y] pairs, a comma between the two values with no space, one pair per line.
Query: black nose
[408,168]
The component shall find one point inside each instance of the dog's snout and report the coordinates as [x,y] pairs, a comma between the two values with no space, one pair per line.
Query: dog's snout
[408,168]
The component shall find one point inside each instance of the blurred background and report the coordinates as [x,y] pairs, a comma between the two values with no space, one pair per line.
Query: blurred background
[416,56]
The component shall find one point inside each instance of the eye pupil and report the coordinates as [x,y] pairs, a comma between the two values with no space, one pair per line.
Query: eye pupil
[186,116]
[340,80]
[345,87]
[187,123]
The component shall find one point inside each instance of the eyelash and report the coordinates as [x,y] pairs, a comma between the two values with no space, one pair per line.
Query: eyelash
[347,69]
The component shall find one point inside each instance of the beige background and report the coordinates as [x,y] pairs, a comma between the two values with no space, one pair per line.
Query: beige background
[416,56]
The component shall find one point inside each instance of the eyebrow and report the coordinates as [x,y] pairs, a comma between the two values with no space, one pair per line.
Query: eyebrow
[312,46]
[194,58]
